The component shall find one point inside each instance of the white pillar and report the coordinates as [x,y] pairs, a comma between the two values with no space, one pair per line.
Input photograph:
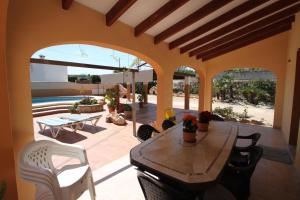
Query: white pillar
[186,93]
[133,105]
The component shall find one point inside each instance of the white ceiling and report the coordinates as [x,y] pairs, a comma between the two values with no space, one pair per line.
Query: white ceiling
[144,8]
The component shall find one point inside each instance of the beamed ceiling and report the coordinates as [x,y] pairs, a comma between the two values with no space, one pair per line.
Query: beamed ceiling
[201,28]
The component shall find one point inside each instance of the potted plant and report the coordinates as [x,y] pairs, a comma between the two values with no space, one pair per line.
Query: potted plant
[111,99]
[189,128]
[140,100]
[111,105]
[204,118]
[74,109]
[128,111]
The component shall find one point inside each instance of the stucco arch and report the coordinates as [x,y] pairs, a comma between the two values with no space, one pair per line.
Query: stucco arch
[145,58]
[201,76]
[269,54]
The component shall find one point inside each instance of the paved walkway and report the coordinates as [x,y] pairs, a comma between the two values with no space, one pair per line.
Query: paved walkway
[108,147]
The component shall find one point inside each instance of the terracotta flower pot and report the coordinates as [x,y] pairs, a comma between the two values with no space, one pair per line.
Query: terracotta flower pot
[203,126]
[111,109]
[189,137]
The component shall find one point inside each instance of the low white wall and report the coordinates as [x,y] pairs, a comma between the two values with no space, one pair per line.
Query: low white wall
[48,73]
[95,88]
[126,77]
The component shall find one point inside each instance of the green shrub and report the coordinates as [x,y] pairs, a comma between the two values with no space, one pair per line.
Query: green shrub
[95,79]
[226,112]
[88,101]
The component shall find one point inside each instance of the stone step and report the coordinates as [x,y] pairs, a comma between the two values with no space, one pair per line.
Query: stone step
[51,104]
[48,108]
[49,112]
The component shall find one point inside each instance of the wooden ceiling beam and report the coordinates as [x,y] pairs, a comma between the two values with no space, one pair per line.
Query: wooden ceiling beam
[248,29]
[235,12]
[246,40]
[192,18]
[66,4]
[118,10]
[158,15]
[242,22]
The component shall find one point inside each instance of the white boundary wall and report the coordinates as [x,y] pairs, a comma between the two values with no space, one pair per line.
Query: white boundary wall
[141,76]
[48,73]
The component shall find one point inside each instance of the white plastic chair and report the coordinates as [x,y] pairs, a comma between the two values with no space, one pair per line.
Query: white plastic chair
[67,183]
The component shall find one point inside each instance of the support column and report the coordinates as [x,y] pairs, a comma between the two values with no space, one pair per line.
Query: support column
[201,86]
[118,94]
[186,93]
[8,168]
[164,96]
[128,95]
[133,105]
[145,87]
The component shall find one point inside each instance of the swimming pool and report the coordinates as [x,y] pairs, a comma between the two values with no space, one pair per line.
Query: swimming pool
[57,99]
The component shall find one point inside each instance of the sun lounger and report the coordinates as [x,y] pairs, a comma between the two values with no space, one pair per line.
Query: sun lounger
[75,122]
[57,124]
[83,118]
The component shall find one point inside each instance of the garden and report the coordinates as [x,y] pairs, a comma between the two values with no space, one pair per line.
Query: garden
[245,95]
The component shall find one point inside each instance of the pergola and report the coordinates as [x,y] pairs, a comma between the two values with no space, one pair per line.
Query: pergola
[177,75]
[93,66]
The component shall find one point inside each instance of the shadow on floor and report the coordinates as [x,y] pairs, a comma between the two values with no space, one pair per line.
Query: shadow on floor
[65,136]
[92,129]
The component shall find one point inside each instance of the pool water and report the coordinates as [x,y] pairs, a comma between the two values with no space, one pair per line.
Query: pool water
[57,99]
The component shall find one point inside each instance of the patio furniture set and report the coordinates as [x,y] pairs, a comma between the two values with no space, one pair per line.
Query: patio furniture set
[213,167]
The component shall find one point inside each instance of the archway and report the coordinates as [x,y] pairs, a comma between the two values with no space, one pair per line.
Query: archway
[186,87]
[59,85]
[246,95]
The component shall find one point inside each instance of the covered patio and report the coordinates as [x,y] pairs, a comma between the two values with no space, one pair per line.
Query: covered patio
[209,36]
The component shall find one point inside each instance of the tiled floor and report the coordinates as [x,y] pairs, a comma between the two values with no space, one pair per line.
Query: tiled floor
[108,146]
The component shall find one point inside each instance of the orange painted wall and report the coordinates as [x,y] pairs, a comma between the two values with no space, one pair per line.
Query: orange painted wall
[269,54]
[293,45]
[33,26]
[7,166]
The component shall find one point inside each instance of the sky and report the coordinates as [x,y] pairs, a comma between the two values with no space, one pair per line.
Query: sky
[86,54]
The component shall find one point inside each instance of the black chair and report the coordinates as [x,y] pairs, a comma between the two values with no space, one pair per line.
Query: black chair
[238,157]
[237,178]
[217,192]
[145,132]
[253,137]
[154,189]
[167,124]
[216,117]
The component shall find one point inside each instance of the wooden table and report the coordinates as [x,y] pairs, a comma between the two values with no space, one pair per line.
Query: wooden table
[193,165]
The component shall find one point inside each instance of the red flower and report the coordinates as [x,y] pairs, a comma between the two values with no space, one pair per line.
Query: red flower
[189,117]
